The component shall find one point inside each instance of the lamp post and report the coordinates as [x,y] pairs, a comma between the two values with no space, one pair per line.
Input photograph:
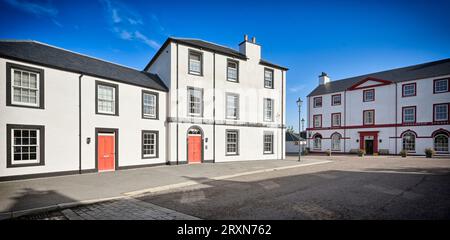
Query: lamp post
[299,104]
[303,127]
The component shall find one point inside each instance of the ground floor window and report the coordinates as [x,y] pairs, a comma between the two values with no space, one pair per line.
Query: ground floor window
[268,142]
[317,144]
[232,142]
[149,144]
[336,142]
[25,145]
[441,143]
[409,142]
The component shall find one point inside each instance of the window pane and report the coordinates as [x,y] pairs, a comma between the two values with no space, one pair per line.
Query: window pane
[33,81]
[17,77]
[17,95]
[25,79]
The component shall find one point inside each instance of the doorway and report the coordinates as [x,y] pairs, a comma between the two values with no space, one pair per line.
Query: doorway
[194,145]
[106,149]
[369,147]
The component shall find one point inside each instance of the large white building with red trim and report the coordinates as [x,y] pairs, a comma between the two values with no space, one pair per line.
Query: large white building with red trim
[384,112]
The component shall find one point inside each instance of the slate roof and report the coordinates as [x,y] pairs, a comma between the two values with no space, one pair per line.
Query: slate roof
[208,46]
[420,71]
[53,57]
[292,137]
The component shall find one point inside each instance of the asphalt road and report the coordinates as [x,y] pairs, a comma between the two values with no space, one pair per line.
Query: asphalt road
[348,188]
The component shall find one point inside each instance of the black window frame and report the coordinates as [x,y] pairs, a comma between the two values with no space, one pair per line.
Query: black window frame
[9,78]
[156,104]
[156,143]
[189,62]
[41,129]
[116,97]
[273,77]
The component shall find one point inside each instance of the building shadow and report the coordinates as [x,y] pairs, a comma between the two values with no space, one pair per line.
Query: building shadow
[29,198]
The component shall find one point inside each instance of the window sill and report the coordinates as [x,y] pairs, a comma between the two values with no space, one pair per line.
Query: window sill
[231,154]
[268,153]
[196,74]
[150,118]
[107,114]
[25,165]
[149,157]
[24,106]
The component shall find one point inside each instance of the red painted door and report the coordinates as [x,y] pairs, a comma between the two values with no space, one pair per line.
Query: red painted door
[106,153]
[194,149]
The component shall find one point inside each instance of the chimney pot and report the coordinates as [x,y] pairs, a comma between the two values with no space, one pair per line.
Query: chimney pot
[253,39]
[324,79]
[245,37]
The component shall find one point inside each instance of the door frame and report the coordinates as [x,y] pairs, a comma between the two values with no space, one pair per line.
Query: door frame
[187,143]
[114,131]
[362,142]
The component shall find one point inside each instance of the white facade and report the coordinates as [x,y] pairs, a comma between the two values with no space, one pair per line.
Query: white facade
[70,124]
[390,129]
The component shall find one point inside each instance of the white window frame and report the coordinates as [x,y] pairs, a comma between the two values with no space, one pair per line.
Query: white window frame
[230,71]
[228,143]
[412,90]
[148,143]
[436,112]
[405,115]
[154,107]
[268,82]
[336,142]
[29,145]
[439,149]
[436,84]
[191,69]
[268,141]
[233,107]
[409,142]
[268,110]
[26,88]
[191,105]
[113,101]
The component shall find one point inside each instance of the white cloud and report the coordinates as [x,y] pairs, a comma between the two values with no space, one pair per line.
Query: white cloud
[297,88]
[115,16]
[146,40]
[36,8]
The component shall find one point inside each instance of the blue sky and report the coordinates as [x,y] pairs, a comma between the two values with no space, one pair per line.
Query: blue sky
[342,38]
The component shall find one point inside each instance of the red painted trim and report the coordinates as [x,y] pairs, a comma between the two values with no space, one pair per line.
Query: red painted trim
[369,110]
[340,120]
[434,85]
[369,133]
[381,83]
[383,125]
[407,84]
[403,115]
[314,102]
[439,131]
[407,131]
[320,120]
[364,95]
[448,112]
[334,96]
[317,135]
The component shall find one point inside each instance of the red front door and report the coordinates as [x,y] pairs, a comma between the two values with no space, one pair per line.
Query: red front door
[106,153]
[194,149]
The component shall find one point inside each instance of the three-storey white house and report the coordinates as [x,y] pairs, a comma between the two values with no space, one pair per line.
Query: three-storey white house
[66,113]
[384,112]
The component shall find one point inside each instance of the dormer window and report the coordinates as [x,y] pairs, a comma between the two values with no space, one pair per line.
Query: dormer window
[195,63]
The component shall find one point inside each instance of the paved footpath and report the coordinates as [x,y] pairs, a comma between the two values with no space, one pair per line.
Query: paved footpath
[47,194]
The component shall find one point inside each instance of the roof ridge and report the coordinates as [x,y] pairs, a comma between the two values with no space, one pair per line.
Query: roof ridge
[198,39]
[73,52]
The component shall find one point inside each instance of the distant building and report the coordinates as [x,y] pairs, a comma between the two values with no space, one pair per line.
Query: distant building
[384,112]
[292,142]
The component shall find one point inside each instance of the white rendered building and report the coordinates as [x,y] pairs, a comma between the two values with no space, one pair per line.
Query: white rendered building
[383,112]
[67,113]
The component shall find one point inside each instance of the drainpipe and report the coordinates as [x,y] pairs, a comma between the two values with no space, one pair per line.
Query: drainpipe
[214,108]
[345,119]
[177,106]
[79,123]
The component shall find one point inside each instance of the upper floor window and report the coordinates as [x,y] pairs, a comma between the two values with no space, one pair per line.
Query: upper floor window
[369,117]
[268,109]
[336,100]
[335,119]
[149,144]
[317,102]
[369,95]
[409,114]
[25,146]
[268,142]
[409,90]
[441,112]
[317,121]
[195,63]
[195,101]
[232,106]
[232,71]
[440,85]
[149,105]
[268,78]
[106,98]
[232,142]
[25,86]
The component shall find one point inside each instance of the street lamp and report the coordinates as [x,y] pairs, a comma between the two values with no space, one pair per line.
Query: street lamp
[303,124]
[299,104]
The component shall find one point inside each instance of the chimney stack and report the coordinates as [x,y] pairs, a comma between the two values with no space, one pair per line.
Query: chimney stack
[324,79]
[250,49]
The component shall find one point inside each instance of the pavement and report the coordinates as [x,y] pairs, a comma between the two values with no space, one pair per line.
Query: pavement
[22,197]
